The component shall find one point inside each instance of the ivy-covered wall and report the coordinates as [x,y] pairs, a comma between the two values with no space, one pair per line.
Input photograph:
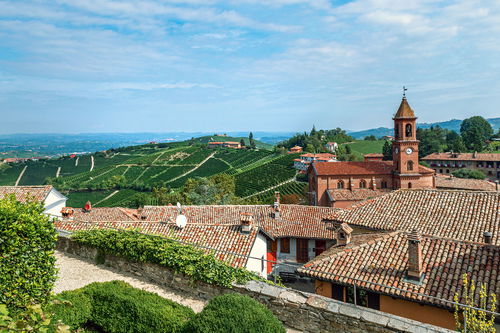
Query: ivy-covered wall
[299,310]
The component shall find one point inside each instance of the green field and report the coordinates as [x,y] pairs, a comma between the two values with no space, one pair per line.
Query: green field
[366,147]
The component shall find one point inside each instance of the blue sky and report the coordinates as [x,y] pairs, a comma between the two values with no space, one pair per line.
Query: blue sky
[207,65]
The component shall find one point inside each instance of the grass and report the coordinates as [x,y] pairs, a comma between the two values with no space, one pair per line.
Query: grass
[367,147]
[78,199]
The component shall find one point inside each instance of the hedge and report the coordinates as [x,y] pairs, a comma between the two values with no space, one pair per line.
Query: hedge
[117,307]
[234,313]
[27,262]
[181,258]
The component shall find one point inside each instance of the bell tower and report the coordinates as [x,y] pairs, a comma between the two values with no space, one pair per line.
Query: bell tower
[405,146]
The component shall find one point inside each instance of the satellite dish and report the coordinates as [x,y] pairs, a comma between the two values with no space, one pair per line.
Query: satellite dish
[181,221]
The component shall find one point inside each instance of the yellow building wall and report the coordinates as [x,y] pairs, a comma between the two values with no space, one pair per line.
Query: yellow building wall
[412,310]
[323,288]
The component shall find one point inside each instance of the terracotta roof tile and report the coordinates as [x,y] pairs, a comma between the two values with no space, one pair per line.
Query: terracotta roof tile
[225,238]
[355,194]
[23,193]
[461,215]
[462,157]
[384,261]
[106,214]
[404,111]
[454,183]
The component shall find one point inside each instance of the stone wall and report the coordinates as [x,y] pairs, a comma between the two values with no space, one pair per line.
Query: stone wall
[299,310]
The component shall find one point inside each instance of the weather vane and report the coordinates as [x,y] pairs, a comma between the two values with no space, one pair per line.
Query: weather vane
[404,91]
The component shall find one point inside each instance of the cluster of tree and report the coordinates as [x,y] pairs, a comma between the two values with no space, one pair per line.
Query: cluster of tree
[314,141]
[469,173]
[215,190]
[474,135]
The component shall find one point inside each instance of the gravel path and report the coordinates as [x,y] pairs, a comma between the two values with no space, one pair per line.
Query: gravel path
[75,272]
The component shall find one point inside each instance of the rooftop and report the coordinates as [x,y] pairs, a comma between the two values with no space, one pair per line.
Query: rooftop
[383,259]
[461,215]
[23,193]
[454,183]
[405,111]
[463,157]
[355,194]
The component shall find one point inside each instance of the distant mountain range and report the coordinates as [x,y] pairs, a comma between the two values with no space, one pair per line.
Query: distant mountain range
[453,125]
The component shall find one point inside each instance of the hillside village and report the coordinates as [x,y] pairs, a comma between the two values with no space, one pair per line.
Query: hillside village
[393,236]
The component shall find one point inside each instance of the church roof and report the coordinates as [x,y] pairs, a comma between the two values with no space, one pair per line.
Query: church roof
[404,110]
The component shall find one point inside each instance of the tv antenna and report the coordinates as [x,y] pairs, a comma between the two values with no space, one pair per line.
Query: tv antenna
[181,219]
[404,91]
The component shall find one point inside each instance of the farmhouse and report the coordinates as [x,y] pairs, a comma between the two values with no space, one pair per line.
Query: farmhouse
[345,183]
[331,147]
[414,241]
[52,199]
[295,149]
[304,160]
[446,163]
[226,144]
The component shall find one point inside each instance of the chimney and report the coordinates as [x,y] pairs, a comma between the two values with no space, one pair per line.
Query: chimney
[343,234]
[276,206]
[351,184]
[246,220]
[88,207]
[474,155]
[67,213]
[374,184]
[488,237]
[414,256]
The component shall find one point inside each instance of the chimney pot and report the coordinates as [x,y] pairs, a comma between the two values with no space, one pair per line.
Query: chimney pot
[88,207]
[414,256]
[488,237]
[246,220]
[343,235]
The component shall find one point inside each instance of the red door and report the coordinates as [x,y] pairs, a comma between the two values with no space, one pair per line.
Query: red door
[272,247]
[320,247]
[302,250]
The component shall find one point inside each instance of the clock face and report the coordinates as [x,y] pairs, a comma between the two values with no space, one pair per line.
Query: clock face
[409,151]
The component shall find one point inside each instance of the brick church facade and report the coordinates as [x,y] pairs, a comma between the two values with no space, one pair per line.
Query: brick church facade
[342,184]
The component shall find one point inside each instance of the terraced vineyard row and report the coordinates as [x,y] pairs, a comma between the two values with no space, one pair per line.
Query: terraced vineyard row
[265,176]
[297,188]
[211,167]
[119,199]
[78,199]
[9,174]
[37,173]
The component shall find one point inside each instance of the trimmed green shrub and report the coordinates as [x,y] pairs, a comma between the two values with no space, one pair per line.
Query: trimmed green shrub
[233,313]
[181,258]
[27,262]
[469,173]
[118,307]
[74,308]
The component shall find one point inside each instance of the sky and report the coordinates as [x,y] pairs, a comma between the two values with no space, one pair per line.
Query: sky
[71,66]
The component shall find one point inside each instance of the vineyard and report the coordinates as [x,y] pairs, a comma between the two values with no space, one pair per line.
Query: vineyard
[292,188]
[118,175]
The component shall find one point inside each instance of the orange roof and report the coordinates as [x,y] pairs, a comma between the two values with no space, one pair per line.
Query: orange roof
[215,143]
[384,260]
[374,155]
[404,110]
[463,157]
[353,168]
[464,184]
[24,193]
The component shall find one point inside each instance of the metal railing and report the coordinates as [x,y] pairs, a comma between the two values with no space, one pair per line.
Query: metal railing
[334,276]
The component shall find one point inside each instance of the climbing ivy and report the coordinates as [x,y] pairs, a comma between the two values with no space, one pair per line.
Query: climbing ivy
[181,258]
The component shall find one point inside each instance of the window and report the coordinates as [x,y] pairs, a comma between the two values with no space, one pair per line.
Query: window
[340,184]
[408,130]
[410,166]
[410,185]
[285,245]
[440,170]
[362,183]
[383,184]
[396,131]
[447,170]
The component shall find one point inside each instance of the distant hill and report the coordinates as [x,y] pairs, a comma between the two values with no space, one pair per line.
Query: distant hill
[453,125]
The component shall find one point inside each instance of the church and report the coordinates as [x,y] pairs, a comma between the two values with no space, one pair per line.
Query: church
[342,184]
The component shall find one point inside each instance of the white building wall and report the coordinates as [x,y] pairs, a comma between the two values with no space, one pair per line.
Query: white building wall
[259,250]
[292,256]
[54,202]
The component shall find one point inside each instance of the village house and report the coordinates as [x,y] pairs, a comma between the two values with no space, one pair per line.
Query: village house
[345,183]
[331,147]
[412,241]
[280,233]
[226,144]
[304,160]
[454,183]
[446,163]
[295,149]
[52,199]
[373,157]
